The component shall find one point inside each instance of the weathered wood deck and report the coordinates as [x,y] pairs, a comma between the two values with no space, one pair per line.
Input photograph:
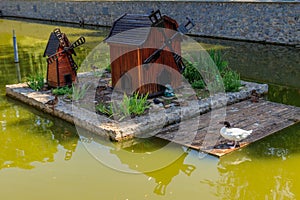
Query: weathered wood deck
[264,118]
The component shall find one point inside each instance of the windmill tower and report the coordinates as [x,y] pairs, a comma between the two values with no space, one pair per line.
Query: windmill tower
[61,68]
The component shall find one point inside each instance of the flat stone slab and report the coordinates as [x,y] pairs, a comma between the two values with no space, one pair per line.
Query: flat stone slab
[263,117]
[148,125]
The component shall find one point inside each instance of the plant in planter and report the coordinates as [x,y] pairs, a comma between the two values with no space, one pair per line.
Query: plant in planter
[106,109]
[132,106]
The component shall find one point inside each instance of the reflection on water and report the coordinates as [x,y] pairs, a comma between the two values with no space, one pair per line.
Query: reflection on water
[284,94]
[264,170]
[61,167]
[163,176]
[19,78]
[139,156]
[28,137]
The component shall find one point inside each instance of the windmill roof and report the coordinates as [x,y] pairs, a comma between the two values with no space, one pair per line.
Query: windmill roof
[131,29]
[53,45]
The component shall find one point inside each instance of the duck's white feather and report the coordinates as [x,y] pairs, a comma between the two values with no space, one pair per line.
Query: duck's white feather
[235,134]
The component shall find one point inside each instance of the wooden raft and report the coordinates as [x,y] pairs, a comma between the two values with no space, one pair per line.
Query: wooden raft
[264,118]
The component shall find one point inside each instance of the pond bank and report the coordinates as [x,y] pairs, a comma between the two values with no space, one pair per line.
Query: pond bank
[266,22]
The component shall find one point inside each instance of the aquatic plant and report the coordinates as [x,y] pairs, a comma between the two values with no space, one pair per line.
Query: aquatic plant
[36,81]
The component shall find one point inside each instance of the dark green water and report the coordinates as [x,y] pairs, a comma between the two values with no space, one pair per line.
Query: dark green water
[41,157]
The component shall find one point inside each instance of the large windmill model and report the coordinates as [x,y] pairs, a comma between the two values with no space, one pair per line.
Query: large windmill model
[146,48]
[61,68]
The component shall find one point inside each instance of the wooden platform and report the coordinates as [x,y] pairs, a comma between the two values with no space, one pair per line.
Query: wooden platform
[264,118]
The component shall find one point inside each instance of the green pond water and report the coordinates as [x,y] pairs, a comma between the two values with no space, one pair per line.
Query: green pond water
[42,157]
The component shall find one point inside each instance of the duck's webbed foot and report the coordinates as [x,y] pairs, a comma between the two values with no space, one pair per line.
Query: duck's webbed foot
[236,145]
[230,143]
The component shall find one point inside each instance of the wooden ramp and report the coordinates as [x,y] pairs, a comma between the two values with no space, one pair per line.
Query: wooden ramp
[264,118]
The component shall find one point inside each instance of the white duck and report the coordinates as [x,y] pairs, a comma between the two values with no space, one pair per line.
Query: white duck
[234,134]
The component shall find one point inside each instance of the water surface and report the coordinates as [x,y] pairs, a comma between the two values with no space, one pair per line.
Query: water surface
[42,157]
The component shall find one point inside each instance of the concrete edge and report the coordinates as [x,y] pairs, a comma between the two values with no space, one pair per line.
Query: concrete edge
[135,127]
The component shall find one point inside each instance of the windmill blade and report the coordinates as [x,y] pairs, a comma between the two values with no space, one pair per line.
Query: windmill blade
[168,43]
[59,36]
[52,58]
[78,42]
[72,63]
[75,44]
[156,19]
[179,62]
[182,29]
[185,28]
[154,56]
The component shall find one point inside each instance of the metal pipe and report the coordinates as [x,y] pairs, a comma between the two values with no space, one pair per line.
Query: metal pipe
[16,56]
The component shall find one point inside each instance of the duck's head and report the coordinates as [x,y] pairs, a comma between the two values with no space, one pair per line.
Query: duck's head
[253,91]
[227,124]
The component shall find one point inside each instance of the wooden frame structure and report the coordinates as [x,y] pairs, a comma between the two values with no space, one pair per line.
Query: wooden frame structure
[132,40]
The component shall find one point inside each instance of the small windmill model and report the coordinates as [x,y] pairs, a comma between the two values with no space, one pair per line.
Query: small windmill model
[61,69]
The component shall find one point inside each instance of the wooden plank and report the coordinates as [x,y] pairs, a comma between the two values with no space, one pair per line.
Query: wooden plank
[264,117]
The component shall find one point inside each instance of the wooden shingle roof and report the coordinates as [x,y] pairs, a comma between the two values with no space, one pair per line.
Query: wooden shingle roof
[131,29]
[52,45]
